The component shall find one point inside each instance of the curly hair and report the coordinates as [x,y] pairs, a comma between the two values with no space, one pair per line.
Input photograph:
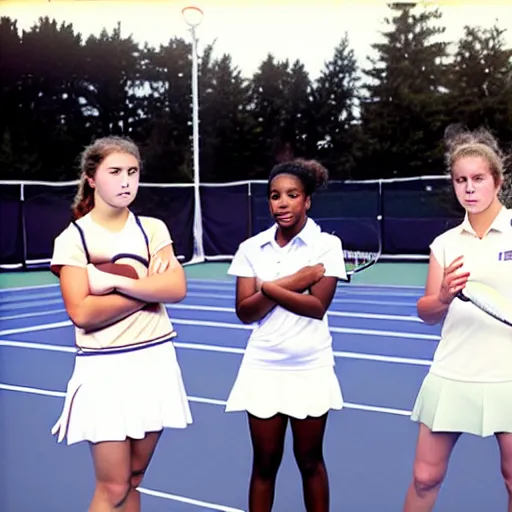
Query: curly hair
[312,174]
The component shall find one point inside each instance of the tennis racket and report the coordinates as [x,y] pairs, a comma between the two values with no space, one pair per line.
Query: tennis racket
[362,246]
[488,300]
[120,269]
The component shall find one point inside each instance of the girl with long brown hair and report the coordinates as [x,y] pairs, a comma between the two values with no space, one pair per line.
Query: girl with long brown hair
[116,272]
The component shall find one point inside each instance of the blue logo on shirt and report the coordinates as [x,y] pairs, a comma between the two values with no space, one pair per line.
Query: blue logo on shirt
[505,256]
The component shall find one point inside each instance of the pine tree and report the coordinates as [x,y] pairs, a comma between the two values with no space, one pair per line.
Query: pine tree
[402,113]
[481,81]
[333,127]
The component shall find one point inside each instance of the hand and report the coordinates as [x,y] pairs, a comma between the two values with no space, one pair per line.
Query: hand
[453,282]
[101,283]
[308,276]
[157,266]
[159,263]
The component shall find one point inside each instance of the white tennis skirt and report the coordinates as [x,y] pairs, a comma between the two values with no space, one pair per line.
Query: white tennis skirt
[296,393]
[479,408]
[112,397]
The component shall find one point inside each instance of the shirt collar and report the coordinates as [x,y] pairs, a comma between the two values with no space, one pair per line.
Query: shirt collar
[306,235]
[501,223]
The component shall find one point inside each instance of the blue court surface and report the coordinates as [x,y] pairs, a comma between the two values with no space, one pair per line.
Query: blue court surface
[382,349]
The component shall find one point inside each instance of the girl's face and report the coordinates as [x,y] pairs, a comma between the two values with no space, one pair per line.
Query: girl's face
[116,180]
[288,202]
[475,186]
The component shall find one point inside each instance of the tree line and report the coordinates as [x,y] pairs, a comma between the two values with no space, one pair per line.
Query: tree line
[381,119]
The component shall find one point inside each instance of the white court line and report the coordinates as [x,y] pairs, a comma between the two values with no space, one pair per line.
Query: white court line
[190,501]
[411,303]
[202,292]
[227,350]
[28,288]
[226,325]
[56,285]
[340,290]
[29,304]
[30,297]
[226,282]
[30,315]
[210,401]
[37,346]
[221,309]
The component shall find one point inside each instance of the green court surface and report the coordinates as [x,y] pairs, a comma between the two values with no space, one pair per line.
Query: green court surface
[403,274]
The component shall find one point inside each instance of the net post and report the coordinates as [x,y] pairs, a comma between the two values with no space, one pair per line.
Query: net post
[23,222]
[193,17]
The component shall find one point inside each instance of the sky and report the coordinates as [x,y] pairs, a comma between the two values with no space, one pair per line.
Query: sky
[248,30]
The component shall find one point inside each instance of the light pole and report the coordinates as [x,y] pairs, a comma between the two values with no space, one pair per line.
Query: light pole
[193,17]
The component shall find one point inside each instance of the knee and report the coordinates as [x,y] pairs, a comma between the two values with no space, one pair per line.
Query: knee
[136,478]
[310,463]
[115,493]
[506,471]
[428,478]
[266,466]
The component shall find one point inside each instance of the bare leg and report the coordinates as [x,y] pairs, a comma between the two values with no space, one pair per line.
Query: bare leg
[267,436]
[433,453]
[505,445]
[112,469]
[308,438]
[141,452]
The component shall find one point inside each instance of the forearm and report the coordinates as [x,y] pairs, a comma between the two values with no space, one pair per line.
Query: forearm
[257,306]
[298,303]
[254,308]
[99,311]
[170,286]
[291,283]
[431,310]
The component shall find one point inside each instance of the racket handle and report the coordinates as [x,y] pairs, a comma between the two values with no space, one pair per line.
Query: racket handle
[460,295]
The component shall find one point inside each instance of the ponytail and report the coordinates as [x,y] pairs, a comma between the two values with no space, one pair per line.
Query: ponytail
[84,199]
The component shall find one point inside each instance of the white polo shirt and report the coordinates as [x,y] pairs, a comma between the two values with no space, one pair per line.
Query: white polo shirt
[283,340]
[474,346]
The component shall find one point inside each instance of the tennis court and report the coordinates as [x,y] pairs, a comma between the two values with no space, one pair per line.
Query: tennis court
[382,354]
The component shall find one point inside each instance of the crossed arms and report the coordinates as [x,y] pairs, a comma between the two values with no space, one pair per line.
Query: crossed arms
[96,299]
[254,300]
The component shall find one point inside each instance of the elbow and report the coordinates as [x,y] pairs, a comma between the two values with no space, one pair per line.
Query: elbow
[317,314]
[426,315]
[179,294]
[316,310]
[174,291]
[244,317]
[430,319]
[79,318]
[427,320]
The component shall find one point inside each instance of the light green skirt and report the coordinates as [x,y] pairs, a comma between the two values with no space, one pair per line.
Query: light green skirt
[482,409]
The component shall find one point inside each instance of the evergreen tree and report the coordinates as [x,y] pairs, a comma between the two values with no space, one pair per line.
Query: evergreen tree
[333,129]
[279,101]
[403,113]
[481,81]
[225,124]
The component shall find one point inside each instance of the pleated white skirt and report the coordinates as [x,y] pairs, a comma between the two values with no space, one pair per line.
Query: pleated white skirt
[479,408]
[111,397]
[296,393]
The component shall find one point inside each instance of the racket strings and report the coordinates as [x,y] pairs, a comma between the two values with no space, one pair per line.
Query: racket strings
[490,301]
